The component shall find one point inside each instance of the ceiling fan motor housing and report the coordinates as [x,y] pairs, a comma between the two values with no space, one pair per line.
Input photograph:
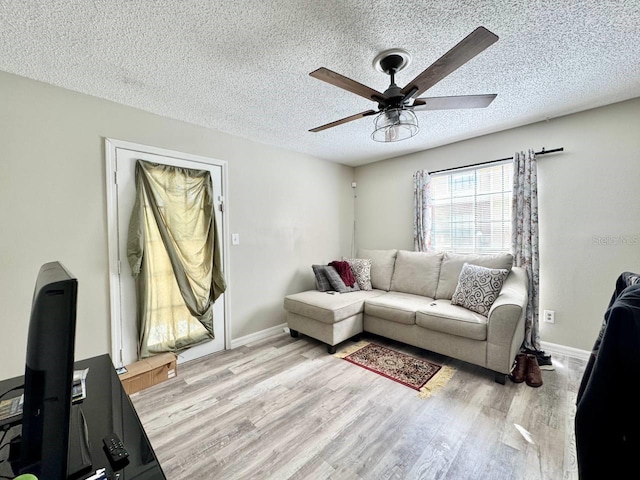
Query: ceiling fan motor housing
[393,97]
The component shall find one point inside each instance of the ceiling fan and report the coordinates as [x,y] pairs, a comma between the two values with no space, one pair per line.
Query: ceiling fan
[396,120]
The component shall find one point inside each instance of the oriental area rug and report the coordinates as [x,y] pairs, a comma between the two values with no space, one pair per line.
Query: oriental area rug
[413,372]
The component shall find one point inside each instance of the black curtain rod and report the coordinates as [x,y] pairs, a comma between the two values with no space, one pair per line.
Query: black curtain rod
[541,152]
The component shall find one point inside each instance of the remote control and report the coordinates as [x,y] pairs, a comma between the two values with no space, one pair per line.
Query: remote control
[115,448]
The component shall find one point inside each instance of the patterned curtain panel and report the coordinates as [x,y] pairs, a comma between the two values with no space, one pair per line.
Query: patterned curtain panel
[422,211]
[174,255]
[524,235]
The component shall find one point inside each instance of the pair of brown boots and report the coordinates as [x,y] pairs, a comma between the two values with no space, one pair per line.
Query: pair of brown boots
[527,370]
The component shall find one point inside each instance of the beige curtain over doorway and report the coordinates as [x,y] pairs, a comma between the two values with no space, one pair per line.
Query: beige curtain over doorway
[174,254]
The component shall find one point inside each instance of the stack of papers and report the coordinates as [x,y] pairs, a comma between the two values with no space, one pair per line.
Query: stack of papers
[79,389]
[11,408]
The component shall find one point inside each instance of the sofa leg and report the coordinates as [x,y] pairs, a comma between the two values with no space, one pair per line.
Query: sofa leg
[294,333]
[331,349]
[355,338]
[500,378]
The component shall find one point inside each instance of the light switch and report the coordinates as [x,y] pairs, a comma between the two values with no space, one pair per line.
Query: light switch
[235,239]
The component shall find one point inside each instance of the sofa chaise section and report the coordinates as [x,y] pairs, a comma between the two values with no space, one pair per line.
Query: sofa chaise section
[332,319]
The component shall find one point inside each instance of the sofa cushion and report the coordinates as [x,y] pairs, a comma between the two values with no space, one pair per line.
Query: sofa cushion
[452,266]
[382,263]
[478,287]
[441,316]
[396,306]
[328,308]
[416,272]
[328,278]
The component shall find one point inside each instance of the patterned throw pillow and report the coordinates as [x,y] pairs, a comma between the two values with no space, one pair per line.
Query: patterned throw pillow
[361,268]
[328,279]
[478,287]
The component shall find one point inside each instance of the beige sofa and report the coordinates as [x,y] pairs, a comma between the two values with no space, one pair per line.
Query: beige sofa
[411,302]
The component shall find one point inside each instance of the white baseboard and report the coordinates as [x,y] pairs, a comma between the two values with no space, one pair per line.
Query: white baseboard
[254,337]
[564,350]
[548,347]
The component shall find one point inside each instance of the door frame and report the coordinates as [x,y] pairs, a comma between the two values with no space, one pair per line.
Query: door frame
[115,263]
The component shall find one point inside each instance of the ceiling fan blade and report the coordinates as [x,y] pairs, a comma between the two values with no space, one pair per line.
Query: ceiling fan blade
[469,47]
[345,83]
[344,120]
[452,103]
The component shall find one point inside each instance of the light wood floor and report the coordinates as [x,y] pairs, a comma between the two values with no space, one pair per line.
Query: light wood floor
[282,408]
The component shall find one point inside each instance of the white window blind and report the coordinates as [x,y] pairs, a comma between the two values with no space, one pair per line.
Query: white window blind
[471,209]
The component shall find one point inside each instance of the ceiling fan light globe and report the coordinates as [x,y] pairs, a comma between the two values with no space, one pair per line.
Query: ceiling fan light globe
[394,125]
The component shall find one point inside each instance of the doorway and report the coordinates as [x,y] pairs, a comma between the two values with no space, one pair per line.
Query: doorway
[121,158]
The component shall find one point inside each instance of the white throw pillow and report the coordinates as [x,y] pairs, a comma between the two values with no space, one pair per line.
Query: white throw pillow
[478,287]
[361,268]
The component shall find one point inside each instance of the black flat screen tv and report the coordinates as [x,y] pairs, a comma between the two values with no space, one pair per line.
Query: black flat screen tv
[49,374]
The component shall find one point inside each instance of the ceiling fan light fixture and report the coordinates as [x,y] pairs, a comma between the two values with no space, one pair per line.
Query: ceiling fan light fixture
[394,125]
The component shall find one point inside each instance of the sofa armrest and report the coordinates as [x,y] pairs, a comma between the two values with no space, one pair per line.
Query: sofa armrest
[505,324]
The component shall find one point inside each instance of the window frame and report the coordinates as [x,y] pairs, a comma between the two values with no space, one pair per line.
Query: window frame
[466,244]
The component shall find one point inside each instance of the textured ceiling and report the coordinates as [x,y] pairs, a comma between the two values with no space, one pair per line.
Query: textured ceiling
[242,67]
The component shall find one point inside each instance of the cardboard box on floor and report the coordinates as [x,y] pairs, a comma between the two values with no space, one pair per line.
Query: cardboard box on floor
[148,372]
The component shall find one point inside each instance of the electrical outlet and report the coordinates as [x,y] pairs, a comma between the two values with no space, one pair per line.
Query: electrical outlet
[235,239]
[549,316]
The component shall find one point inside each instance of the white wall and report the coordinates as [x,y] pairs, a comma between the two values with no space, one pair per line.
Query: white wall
[293,210]
[290,210]
[589,205]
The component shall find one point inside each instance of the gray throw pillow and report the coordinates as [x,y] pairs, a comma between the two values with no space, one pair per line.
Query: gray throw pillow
[361,268]
[328,279]
[322,281]
[478,287]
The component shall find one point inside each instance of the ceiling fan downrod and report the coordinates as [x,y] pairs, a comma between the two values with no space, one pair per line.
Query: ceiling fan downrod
[391,62]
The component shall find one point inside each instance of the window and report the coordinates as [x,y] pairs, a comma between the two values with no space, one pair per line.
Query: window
[471,209]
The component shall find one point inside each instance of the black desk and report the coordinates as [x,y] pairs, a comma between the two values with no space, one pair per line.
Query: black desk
[107,409]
